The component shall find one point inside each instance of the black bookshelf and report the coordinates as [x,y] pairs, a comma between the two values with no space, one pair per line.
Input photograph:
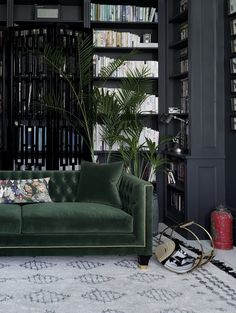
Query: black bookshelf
[188,76]
[34,137]
[42,138]
[2,90]
[230,107]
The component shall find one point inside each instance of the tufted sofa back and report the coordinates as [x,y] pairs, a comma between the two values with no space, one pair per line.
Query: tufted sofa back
[63,186]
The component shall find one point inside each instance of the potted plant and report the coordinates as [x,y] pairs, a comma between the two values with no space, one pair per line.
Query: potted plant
[84,96]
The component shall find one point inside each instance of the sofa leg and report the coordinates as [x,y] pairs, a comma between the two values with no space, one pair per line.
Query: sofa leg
[143,261]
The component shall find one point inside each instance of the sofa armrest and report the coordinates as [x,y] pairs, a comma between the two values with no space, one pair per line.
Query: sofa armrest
[136,196]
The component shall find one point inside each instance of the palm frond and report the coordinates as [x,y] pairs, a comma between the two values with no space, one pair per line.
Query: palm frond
[54,58]
[107,71]
[134,90]
[85,51]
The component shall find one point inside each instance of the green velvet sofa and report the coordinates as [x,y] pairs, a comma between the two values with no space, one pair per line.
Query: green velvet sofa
[69,227]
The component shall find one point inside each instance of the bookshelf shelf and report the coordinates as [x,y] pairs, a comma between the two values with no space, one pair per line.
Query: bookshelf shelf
[179,44]
[177,187]
[175,216]
[126,49]
[179,76]
[153,115]
[180,17]
[232,15]
[182,115]
[173,154]
[119,78]
[116,25]
[40,22]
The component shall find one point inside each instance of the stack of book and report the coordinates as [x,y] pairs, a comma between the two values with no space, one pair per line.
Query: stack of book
[100,144]
[149,105]
[110,38]
[122,13]
[102,61]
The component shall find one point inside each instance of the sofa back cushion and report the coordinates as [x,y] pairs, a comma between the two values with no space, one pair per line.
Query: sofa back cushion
[99,183]
[63,185]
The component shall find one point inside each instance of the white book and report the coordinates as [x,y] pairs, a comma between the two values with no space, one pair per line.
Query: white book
[152,14]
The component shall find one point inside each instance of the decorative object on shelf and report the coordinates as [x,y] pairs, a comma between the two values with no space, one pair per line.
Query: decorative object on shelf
[233,85]
[183,6]
[174,110]
[233,123]
[233,27]
[222,228]
[175,257]
[233,46]
[183,65]
[183,31]
[47,12]
[179,139]
[233,104]
[231,6]
[233,65]
[147,38]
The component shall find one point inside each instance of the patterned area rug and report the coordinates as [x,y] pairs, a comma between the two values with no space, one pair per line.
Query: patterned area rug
[110,284]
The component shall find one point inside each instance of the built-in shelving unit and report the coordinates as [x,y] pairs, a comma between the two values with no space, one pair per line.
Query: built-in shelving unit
[118,29]
[191,108]
[230,106]
[2,89]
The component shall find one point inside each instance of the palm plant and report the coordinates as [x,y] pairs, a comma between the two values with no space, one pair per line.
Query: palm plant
[120,115]
[118,111]
[83,116]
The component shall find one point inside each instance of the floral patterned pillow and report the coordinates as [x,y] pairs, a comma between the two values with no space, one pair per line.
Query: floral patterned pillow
[24,190]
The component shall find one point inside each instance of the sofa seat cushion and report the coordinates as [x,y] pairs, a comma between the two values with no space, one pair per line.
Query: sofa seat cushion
[10,219]
[74,217]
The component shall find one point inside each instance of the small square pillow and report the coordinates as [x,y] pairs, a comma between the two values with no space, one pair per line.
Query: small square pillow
[99,183]
[24,190]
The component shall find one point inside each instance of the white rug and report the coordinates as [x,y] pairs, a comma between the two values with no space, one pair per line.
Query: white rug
[110,284]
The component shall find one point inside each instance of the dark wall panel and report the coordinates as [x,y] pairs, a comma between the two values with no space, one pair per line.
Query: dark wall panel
[207,77]
[3,12]
[207,197]
[205,188]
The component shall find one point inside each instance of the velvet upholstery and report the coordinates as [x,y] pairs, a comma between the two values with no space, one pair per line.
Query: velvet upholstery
[134,237]
[63,185]
[74,217]
[99,183]
[10,219]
